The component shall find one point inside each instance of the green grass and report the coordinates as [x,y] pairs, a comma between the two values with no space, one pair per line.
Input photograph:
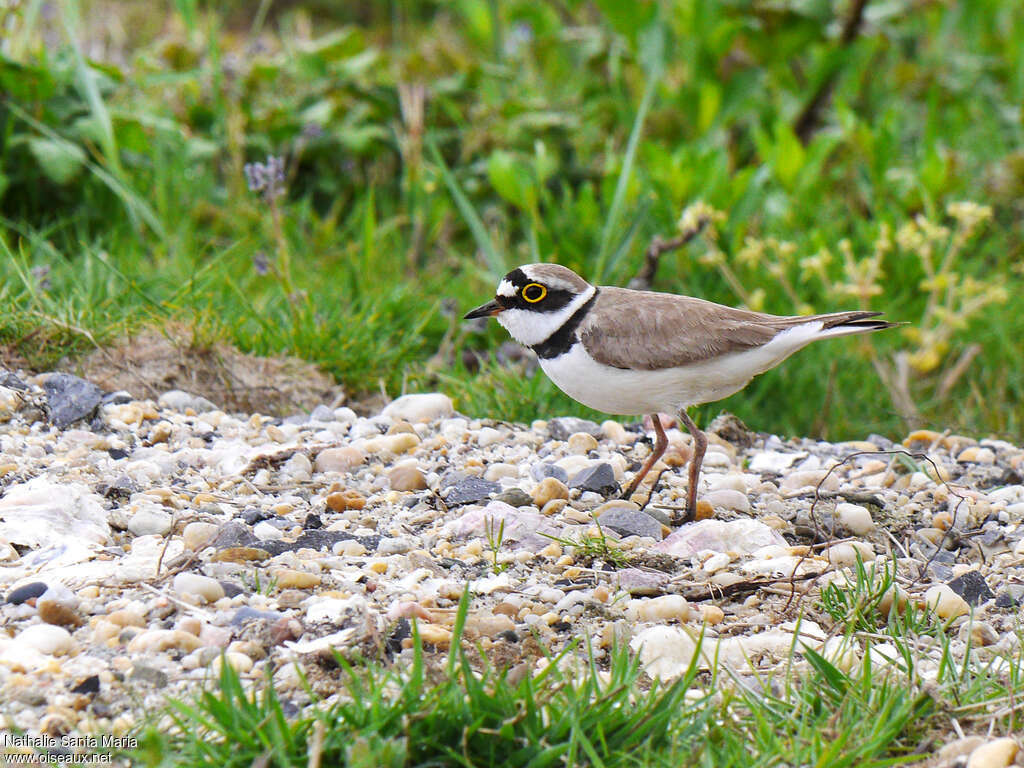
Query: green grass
[430,148]
[457,709]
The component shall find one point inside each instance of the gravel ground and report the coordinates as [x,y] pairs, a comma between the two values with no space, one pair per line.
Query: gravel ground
[143,543]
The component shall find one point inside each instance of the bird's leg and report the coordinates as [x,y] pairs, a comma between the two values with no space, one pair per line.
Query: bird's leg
[660,444]
[700,444]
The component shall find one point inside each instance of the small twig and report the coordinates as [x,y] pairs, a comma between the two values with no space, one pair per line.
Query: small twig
[658,248]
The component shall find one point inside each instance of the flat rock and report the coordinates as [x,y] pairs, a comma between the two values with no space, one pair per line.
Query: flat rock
[972,587]
[25,592]
[42,513]
[471,490]
[599,478]
[640,583]
[627,521]
[742,536]
[541,470]
[70,398]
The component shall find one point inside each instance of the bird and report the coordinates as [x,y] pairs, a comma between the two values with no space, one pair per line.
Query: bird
[629,353]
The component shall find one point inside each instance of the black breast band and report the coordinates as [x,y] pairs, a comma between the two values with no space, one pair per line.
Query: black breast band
[562,340]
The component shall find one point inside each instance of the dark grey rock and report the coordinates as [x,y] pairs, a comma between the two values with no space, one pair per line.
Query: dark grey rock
[599,478]
[11,381]
[119,488]
[515,497]
[884,443]
[630,522]
[564,426]
[143,674]
[318,539]
[659,514]
[470,490]
[70,398]
[19,595]
[972,587]
[449,478]
[89,685]
[1005,600]
[543,469]
[253,515]
[117,398]
[235,533]
[231,589]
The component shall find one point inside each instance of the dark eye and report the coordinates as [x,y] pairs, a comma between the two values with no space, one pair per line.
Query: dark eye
[534,292]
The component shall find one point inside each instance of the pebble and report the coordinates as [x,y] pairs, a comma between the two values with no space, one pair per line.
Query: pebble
[46,639]
[291,579]
[997,753]
[339,460]
[626,519]
[547,489]
[339,501]
[727,498]
[26,592]
[150,521]
[470,490]
[972,587]
[582,443]
[419,408]
[70,398]
[742,536]
[196,585]
[599,478]
[198,535]
[946,603]
[664,608]
[58,612]
[855,518]
[156,640]
[977,455]
[542,470]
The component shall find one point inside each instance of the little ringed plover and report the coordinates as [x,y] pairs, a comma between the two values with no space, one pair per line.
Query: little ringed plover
[631,352]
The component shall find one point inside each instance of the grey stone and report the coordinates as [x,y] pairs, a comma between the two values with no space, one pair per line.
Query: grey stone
[396,546]
[143,674]
[564,426]
[322,413]
[70,398]
[235,534]
[658,514]
[972,587]
[319,539]
[118,398]
[630,522]
[599,478]
[471,490]
[19,595]
[544,469]
[449,478]
[642,583]
[515,497]
[11,381]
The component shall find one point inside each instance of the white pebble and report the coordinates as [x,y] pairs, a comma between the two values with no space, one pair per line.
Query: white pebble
[996,754]
[198,585]
[45,638]
[727,498]
[664,608]
[856,519]
[946,603]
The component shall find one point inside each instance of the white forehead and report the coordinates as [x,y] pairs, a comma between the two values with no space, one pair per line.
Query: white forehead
[505,288]
[555,277]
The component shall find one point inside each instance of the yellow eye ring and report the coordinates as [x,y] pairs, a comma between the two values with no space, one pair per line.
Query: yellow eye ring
[534,292]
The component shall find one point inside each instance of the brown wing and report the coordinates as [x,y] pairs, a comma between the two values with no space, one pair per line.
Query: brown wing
[651,331]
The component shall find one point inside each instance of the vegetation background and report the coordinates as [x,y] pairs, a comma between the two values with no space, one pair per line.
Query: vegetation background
[839,154]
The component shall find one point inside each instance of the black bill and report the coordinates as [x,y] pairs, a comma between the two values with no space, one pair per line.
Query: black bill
[490,309]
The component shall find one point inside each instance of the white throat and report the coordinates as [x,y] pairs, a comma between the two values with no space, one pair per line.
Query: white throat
[530,327]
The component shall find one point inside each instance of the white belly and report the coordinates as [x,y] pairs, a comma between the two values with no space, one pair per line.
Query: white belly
[631,392]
